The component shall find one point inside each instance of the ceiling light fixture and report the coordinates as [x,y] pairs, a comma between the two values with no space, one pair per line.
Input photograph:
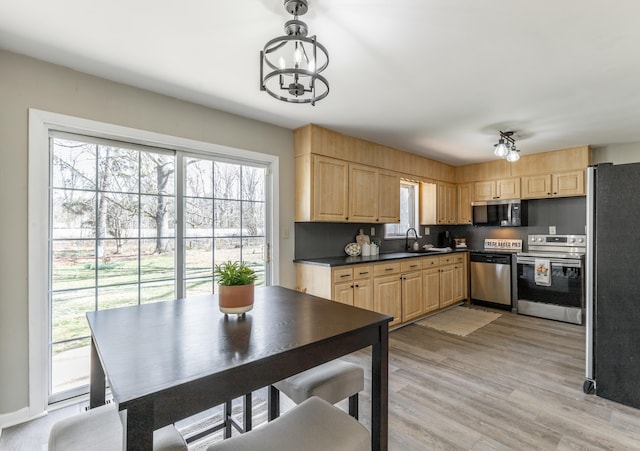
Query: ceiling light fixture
[506,147]
[290,65]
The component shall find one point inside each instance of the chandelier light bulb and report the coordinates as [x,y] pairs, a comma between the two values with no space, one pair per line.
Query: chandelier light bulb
[514,155]
[501,149]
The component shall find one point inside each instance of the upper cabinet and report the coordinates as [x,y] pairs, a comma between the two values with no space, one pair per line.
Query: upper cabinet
[497,189]
[560,184]
[446,203]
[465,197]
[333,190]
[388,197]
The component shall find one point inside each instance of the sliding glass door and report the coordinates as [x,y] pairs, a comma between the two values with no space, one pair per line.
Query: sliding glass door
[131,224]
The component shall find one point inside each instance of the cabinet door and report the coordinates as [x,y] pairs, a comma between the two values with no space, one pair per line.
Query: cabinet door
[412,306]
[431,289]
[484,190]
[459,282]
[330,189]
[446,203]
[568,184]
[536,186]
[386,297]
[446,285]
[363,294]
[389,197]
[465,196]
[508,188]
[343,292]
[428,203]
[363,193]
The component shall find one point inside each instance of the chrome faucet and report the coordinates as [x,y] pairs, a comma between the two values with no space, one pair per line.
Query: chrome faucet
[406,238]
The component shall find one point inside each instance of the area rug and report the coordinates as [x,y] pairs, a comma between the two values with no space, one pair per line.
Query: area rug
[459,320]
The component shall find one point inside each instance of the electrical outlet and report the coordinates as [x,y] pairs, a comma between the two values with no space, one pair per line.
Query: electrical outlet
[426,231]
[373,231]
[285,233]
[552,230]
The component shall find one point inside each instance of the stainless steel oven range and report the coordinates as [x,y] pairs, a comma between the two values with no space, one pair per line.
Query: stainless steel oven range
[550,277]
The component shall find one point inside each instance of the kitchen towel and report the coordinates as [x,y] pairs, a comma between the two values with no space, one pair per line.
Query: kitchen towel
[543,272]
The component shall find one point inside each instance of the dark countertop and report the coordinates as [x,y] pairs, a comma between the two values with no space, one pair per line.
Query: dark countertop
[346,260]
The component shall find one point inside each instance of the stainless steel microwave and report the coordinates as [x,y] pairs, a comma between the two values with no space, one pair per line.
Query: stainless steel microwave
[500,213]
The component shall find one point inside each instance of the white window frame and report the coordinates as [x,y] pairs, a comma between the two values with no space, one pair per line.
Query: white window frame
[40,123]
[416,213]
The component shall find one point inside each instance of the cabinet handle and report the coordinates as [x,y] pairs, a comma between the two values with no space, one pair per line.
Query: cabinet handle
[388,269]
[363,273]
[357,286]
[344,275]
[413,266]
[555,194]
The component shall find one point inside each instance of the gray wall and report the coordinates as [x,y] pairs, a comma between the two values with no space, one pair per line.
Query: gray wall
[568,214]
[28,83]
[616,153]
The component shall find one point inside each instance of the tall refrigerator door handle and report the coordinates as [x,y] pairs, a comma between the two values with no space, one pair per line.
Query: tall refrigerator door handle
[589,383]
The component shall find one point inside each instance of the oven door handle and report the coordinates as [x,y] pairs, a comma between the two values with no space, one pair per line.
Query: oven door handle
[554,262]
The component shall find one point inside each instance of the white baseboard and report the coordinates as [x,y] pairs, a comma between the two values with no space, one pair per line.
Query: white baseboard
[17,417]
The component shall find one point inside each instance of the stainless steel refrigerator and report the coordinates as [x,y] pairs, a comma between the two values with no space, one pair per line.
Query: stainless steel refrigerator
[612,283]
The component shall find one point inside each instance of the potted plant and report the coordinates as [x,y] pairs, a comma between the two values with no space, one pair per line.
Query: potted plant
[235,281]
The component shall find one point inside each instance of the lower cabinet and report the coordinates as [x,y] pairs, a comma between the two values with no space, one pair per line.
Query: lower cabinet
[406,289]
[386,297]
[412,297]
[431,289]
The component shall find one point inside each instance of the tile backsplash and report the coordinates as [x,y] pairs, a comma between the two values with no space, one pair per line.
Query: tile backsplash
[568,215]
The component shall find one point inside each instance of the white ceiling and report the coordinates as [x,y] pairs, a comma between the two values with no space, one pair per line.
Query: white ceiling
[434,77]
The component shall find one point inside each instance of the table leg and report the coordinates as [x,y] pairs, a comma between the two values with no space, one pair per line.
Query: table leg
[273,403]
[380,392]
[139,427]
[97,380]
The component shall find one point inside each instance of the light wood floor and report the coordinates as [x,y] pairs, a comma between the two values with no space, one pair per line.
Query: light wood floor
[514,384]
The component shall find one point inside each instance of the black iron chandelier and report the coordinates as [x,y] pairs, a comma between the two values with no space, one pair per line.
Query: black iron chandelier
[506,147]
[290,65]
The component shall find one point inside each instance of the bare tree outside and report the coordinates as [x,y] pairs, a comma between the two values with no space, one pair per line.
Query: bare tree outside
[113,234]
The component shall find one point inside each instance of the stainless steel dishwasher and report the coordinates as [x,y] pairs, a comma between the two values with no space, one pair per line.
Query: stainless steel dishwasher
[491,278]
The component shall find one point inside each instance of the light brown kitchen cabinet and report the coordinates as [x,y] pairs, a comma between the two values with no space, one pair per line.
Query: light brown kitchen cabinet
[405,288]
[411,277]
[447,281]
[460,278]
[431,288]
[497,189]
[322,188]
[561,184]
[446,203]
[333,190]
[388,197]
[428,203]
[387,292]
[465,197]
[363,193]
[362,286]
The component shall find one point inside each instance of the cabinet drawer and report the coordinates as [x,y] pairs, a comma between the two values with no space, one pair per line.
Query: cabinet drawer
[430,262]
[458,258]
[386,268]
[361,272]
[342,274]
[413,264]
[446,259]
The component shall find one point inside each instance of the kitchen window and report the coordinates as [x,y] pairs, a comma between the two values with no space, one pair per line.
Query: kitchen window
[409,210]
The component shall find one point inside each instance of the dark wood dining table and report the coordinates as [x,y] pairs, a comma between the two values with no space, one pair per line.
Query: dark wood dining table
[167,361]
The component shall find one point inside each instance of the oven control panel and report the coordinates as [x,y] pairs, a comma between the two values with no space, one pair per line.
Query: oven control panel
[558,240]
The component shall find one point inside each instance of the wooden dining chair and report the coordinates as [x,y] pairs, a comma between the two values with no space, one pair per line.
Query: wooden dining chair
[332,381]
